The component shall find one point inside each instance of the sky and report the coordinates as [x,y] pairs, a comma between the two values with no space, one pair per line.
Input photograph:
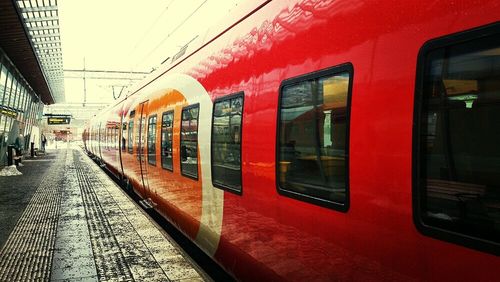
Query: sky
[128,35]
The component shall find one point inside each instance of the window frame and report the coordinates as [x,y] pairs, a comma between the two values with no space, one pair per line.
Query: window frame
[155,116]
[328,72]
[218,185]
[197,105]
[130,136]
[417,187]
[172,143]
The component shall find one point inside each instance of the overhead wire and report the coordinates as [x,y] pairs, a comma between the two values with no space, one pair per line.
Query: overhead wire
[140,41]
[172,32]
[151,26]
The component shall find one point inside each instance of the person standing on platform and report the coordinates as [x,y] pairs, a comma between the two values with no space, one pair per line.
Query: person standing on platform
[44,141]
[18,146]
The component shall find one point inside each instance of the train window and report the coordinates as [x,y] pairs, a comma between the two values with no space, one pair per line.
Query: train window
[226,142]
[102,136]
[152,140]
[124,128]
[117,129]
[456,149]
[130,136]
[167,122]
[189,141]
[313,137]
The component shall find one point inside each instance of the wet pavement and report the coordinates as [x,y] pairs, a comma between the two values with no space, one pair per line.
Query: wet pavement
[65,220]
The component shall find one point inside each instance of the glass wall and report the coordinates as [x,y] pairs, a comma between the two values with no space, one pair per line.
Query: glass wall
[19,106]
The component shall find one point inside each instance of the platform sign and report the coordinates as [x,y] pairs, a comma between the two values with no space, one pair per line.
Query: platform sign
[58,120]
[8,112]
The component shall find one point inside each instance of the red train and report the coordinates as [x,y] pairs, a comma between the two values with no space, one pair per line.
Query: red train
[325,140]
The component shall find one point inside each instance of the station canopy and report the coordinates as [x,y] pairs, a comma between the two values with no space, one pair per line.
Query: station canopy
[31,39]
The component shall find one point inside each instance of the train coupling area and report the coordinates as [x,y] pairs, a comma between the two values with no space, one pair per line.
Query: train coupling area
[64,219]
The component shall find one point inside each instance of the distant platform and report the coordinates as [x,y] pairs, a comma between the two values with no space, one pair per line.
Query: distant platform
[63,219]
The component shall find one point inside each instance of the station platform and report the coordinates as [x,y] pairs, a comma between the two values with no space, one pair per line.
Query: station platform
[64,219]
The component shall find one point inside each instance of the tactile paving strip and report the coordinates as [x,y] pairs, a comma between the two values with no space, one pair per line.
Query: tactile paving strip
[108,257]
[27,254]
[118,222]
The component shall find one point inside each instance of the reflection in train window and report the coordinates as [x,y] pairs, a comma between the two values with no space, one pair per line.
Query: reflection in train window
[140,138]
[189,141]
[124,128]
[167,122]
[313,137]
[106,138]
[226,142]
[458,180]
[130,136]
[152,140]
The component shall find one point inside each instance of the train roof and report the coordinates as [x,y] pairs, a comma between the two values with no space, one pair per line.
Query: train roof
[198,42]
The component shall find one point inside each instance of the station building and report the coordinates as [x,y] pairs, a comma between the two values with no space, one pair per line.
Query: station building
[31,73]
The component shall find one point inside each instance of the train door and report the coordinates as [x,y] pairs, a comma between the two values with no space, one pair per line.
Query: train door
[100,139]
[94,141]
[142,147]
[121,141]
[89,141]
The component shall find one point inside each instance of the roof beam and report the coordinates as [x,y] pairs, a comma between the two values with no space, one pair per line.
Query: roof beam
[41,19]
[39,9]
[107,71]
[48,43]
[49,48]
[51,59]
[106,78]
[46,35]
[48,27]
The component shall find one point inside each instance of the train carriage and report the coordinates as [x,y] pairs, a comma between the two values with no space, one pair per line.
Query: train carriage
[325,140]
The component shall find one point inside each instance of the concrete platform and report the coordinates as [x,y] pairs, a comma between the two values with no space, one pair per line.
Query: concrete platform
[64,219]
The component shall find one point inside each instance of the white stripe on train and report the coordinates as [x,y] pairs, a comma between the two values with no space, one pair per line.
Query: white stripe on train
[212,198]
